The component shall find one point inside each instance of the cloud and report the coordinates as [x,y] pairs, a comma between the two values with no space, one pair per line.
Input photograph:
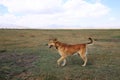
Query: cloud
[82,8]
[76,7]
[8,18]
[112,18]
[32,6]
[38,13]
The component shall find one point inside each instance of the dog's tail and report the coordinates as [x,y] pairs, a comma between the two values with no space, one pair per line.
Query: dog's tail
[91,41]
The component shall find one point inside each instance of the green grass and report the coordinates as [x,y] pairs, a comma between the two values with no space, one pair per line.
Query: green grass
[24,56]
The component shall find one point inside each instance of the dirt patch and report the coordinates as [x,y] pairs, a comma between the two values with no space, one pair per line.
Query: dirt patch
[16,65]
[3,50]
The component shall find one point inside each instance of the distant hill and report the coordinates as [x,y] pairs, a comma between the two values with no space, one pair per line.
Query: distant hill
[11,26]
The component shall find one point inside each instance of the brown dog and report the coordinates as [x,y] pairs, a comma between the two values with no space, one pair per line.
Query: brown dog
[67,50]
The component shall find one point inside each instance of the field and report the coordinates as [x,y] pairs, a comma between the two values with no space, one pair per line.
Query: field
[24,56]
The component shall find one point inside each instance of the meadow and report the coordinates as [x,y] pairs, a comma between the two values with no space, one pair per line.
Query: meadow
[24,56]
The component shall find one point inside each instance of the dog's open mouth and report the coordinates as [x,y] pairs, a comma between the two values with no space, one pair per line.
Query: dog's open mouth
[50,46]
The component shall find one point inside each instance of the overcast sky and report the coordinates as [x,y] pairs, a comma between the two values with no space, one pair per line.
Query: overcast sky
[60,13]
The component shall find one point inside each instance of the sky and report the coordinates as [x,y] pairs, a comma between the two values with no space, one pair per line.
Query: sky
[60,14]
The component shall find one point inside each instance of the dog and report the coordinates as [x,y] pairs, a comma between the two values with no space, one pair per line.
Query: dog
[66,50]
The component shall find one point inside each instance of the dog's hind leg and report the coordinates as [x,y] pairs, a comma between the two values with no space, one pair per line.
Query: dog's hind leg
[83,56]
[85,60]
[64,62]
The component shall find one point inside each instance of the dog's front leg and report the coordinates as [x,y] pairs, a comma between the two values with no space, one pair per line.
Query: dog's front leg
[59,61]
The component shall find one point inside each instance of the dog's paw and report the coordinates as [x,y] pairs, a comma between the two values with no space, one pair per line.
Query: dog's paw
[83,65]
[63,65]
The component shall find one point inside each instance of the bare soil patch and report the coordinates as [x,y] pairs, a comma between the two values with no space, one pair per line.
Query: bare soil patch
[16,65]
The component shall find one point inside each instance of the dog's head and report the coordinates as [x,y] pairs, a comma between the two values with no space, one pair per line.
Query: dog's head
[52,43]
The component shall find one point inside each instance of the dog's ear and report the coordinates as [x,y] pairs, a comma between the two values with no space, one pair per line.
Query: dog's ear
[55,39]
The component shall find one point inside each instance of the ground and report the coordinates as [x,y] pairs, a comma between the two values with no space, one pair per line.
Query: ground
[24,56]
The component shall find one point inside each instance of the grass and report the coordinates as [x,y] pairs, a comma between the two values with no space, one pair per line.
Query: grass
[24,56]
